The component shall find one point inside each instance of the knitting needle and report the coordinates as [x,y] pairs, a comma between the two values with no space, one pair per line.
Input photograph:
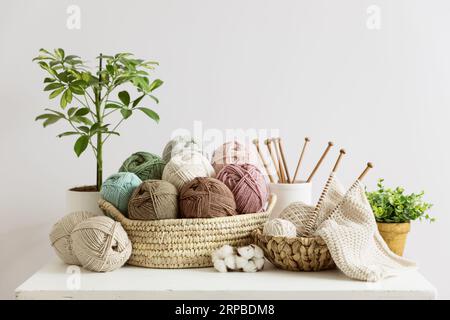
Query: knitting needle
[300,159]
[368,167]
[330,144]
[280,145]
[266,166]
[279,161]
[269,147]
[336,165]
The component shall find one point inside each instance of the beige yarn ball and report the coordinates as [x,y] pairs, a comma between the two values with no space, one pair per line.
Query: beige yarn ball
[280,228]
[153,200]
[60,235]
[101,244]
[186,166]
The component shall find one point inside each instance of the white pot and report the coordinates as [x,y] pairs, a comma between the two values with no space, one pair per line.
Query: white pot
[288,193]
[83,199]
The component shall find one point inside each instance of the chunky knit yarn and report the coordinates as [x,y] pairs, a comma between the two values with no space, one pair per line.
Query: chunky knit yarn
[145,165]
[179,144]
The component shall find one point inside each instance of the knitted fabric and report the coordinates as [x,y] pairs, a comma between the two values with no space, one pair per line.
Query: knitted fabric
[346,223]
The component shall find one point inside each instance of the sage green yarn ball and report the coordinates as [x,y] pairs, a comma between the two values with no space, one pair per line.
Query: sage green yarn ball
[180,144]
[101,244]
[60,235]
[118,188]
[145,165]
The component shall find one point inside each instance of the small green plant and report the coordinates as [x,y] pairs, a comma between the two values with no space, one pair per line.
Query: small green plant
[393,205]
[86,99]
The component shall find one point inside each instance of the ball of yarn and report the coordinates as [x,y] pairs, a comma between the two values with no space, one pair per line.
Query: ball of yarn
[186,166]
[101,244]
[60,235]
[280,228]
[248,186]
[117,189]
[154,200]
[145,165]
[206,198]
[233,152]
[180,144]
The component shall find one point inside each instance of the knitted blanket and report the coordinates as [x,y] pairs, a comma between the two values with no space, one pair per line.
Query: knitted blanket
[345,221]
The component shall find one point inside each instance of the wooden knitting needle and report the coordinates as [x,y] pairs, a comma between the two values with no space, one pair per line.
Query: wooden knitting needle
[363,174]
[300,159]
[266,166]
[336,165]
[269,147]
[330,144]
[279,161]
[280,145]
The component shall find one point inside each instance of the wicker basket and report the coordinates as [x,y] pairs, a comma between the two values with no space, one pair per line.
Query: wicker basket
[295,254]
[185,243]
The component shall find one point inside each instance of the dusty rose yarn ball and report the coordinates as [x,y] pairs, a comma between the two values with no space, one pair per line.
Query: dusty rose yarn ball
[248,186]
[233,152]
[206,198]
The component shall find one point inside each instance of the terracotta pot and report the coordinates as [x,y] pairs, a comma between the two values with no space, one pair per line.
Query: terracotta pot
[394,234]
[83,199]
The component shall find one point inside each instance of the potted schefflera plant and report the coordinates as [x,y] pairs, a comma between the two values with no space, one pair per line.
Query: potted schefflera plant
[88,102]
[393,210]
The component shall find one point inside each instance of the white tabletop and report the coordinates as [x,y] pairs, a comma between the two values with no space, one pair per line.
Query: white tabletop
[59,281]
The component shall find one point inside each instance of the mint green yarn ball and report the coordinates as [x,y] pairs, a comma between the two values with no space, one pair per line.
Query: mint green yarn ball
[118,188]
[145,165]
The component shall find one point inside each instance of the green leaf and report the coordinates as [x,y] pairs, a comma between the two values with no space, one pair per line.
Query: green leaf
[113,106]
[56,93]
[84,120]
[124,96]
[76,89]
[82,112]
[137,100]
[60,52]
[43,116]
[84,129]
[81,145]
[49,80]
[71,111]
[152,114]
[68,94]
[56,112]
[126,113]
[53,86]
[51,120]
[68,133]
[110,69]
[155,84]
[153,97]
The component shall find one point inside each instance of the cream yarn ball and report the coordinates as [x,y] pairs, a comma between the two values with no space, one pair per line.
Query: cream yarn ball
[280,228]
[186,166]
[60,235]
[181,143]
[101,244]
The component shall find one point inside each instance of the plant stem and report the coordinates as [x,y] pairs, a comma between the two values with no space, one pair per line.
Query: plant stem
[98,102]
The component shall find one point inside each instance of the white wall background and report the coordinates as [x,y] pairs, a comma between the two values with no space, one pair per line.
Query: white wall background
[305,67]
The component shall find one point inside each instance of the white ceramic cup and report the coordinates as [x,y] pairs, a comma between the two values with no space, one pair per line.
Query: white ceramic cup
[288,193]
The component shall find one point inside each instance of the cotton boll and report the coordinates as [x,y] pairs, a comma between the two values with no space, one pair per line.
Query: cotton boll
[246,252]
[259,253]
[249,267]
[225,251]
[220,266]
[259,263]
[240,262]
[230,262]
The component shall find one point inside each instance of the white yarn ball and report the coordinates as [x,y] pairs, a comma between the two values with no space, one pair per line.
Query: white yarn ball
[186,166]
[280,228]
[101,244]
[60,235]
[179,144]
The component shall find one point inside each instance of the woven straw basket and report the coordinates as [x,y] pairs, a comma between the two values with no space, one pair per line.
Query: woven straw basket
[185,243]
[295,254]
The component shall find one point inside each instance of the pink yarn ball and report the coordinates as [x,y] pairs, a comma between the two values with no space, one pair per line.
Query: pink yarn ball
[248,186]
[233,152]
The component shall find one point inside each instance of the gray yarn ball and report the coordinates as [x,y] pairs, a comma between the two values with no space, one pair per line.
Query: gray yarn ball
[60,235]
[180,144]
